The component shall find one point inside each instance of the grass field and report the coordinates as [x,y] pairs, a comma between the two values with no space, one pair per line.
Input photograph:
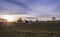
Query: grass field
[51,29]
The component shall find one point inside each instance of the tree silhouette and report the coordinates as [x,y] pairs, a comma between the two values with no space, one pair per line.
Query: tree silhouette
[19,20]
[53,18]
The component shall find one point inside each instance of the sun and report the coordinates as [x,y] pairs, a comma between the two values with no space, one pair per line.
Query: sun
[9,18]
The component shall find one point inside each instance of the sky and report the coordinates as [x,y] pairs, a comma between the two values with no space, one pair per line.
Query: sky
[39,8]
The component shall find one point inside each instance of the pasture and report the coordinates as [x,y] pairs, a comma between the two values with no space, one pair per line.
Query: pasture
[46,29]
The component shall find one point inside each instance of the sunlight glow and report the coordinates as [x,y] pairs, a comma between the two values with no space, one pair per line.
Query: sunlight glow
[8,17]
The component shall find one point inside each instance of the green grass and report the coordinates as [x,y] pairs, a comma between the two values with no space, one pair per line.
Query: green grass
[38,26]
[51,29]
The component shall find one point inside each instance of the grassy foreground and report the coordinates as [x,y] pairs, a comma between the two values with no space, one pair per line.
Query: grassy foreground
[32,30]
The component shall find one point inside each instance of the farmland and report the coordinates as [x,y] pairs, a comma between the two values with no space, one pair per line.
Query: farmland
[51,29]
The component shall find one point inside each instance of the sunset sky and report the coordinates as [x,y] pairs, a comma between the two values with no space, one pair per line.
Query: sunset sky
[43,8]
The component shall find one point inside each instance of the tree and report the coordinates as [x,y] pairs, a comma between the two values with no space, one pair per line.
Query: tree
[19,20]
[37,21]
[53,18]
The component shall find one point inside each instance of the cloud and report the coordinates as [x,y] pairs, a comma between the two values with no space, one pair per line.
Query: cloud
[38,8]
[11,8]
[46,8]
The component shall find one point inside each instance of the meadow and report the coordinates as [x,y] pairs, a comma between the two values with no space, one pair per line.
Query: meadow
[44,29]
